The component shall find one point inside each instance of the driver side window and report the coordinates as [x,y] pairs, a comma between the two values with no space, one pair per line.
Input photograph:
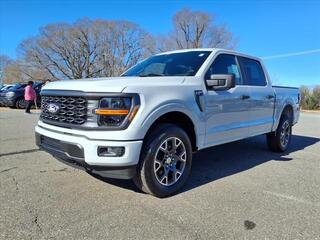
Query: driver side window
[225,64]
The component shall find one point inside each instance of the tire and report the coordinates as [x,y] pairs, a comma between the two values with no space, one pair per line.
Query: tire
[20,103]
[279,140]
[165,161]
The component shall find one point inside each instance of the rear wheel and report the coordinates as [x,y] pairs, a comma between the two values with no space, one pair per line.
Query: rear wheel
[20,103]
[279,140]
[165,161]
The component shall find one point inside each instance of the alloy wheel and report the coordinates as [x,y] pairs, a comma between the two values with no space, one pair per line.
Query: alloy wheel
[285,134]
[170,161]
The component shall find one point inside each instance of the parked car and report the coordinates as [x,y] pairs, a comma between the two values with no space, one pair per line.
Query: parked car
[14,96]
[4,88]
[146,124]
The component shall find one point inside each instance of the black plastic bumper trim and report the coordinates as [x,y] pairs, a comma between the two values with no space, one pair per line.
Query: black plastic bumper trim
[73,155]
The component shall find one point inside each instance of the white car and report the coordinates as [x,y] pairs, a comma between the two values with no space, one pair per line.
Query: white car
[145,124]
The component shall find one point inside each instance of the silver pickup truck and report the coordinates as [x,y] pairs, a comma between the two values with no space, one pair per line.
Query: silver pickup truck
[145,124]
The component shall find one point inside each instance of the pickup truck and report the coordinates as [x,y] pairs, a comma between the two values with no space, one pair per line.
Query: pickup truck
[145,124]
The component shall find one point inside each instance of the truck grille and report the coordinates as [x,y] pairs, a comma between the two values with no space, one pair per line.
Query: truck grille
[63,109]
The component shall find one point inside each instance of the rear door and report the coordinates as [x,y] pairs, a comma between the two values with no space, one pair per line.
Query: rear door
[262,97]
[227,113]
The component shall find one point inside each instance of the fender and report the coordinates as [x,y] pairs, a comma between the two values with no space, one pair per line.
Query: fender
[198,120]
[281,106]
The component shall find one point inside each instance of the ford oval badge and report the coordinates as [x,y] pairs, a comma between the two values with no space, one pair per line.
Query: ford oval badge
[53,108]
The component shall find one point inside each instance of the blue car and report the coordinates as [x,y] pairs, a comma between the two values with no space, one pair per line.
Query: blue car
[14,96]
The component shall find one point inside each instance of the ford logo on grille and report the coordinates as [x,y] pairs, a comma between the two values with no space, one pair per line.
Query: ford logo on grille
[53,108]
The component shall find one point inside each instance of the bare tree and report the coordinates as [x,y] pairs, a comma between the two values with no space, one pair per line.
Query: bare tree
[161,43]
[12,73]
[305,97]
[316,97]
[102,48]
[123,45]
[4,62]
[310,98]
[195,29]
[84,49]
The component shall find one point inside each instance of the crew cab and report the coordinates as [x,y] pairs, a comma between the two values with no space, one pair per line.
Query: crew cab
[145,124]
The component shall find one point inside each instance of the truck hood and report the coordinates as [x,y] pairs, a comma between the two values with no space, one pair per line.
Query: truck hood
[112,85]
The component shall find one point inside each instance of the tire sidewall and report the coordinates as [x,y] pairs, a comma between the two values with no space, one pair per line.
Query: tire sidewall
[21,103]
[282,121]
[154,143]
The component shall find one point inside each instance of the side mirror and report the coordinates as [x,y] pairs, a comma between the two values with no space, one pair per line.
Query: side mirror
[221,81]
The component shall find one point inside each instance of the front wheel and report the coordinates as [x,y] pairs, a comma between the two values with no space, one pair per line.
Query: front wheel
[20,103]
[165,161]
[279,140]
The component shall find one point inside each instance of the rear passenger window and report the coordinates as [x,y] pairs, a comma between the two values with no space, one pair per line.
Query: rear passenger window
[225,64]
[253,72]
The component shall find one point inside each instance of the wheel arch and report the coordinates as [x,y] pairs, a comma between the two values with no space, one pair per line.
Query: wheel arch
[286,109]
[180,119]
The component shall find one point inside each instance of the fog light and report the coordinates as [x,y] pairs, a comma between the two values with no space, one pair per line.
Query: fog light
[110,151]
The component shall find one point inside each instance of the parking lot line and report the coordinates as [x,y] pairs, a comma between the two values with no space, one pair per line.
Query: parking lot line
[292,198]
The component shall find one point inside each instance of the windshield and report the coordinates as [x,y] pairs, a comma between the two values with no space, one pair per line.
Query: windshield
[18,86]
[6,87]
[172,64]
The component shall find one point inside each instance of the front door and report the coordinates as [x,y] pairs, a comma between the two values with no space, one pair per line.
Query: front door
[227,114]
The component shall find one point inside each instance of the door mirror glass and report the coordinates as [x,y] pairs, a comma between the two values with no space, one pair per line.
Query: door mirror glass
[221,81]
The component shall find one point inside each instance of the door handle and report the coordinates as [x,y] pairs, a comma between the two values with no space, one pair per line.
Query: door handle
[269,96]
[243,97]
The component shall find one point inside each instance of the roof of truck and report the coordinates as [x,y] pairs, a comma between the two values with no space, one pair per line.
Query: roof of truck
[192,49]
[211,50]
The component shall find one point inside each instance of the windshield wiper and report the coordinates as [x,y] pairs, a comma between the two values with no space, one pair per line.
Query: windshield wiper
[150,75]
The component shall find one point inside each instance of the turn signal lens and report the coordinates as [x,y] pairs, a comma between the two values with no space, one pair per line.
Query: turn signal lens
[133,113]
[111,112]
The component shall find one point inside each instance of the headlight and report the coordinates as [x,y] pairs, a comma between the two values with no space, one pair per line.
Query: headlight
[9,94]
[116,111]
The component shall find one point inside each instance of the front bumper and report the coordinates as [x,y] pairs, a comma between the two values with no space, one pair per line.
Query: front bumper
[81,152]
[7,102]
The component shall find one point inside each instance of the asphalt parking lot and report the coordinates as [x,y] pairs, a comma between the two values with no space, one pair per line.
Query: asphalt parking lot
[236,191]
